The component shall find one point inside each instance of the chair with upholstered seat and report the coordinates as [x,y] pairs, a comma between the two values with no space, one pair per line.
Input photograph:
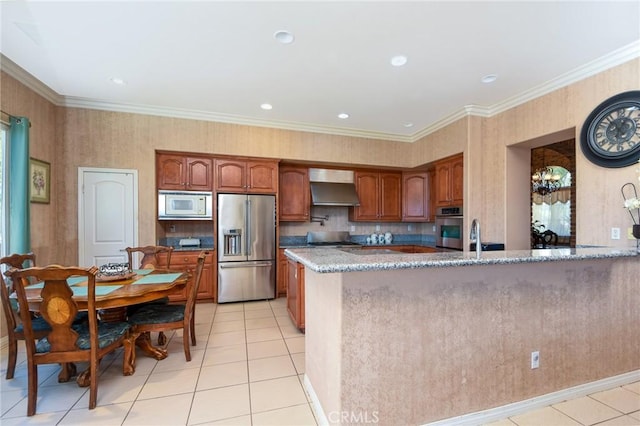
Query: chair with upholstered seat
[172,317]
[150,260]
[67,341]
[15,329]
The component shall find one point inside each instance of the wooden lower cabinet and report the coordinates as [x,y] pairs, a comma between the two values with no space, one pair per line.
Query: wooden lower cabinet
[281,277]
[295,292]
[186,261]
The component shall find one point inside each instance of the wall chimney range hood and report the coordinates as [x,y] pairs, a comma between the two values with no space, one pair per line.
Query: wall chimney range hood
[331,187]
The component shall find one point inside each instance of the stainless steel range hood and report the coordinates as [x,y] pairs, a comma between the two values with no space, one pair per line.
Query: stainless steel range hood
[333,187]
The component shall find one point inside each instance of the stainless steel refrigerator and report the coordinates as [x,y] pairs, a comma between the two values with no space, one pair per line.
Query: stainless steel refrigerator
[246,247]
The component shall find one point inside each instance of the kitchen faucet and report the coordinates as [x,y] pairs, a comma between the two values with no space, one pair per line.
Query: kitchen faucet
[475,236]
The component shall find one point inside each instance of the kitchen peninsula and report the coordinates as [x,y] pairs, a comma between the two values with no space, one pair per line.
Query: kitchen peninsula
[417,338]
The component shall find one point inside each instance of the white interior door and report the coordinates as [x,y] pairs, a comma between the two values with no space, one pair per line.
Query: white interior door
[107,215]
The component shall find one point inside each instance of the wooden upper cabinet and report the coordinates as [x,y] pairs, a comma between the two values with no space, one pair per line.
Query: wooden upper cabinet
[231,175]
[416,197]
[180,172]
[380,197]
[262,176]
[449,182]
[246,176]
[294,196]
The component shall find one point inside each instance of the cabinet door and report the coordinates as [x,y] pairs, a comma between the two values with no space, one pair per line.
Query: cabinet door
[294,194]
[390,203]
[293,294]
[281,280]
[199,173]
[368,193]
[457,181]
[230,175]
[171,172]
[186,261]
[442,185]
[262,177]
[415,197]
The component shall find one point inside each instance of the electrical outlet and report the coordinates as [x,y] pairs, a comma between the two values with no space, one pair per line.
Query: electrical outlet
[377,227]
[353,228]
[615,233]
[410,227]
[434,228]
[535,359]
[172,228]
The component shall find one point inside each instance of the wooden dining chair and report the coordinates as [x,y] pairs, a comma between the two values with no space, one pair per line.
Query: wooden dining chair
[173,317]
[66,342]
[150,260]
[15,328]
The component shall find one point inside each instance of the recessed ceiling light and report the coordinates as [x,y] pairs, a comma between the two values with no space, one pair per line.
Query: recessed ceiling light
[489,78]
[399,60]
[284,37]
[343,115]
[408,125]
[266,106]
[118,81]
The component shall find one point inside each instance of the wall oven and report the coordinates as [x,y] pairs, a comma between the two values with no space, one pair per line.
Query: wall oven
[449,231]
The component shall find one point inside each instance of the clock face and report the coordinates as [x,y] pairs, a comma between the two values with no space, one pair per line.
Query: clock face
[611,134]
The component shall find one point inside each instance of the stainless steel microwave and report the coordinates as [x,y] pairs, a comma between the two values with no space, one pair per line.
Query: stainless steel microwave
[185,205]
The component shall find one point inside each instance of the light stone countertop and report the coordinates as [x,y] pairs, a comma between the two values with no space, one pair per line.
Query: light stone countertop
[326,260]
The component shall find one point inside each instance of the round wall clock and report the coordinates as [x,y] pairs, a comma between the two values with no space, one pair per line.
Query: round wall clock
[610,135]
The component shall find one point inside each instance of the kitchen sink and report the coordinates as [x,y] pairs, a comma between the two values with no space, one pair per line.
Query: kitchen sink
[360,251]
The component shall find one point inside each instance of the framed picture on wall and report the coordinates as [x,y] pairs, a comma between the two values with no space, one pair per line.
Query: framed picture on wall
[39,181]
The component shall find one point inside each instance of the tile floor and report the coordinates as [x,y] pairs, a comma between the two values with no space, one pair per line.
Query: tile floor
[246,370]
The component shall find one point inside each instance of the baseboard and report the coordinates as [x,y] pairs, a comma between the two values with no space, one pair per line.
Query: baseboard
[509,410]
[315,403]
[520,407]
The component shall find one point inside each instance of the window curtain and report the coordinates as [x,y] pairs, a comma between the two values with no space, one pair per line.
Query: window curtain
[18,177]
[555,217]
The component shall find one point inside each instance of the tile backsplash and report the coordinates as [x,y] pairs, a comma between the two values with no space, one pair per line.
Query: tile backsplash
[338,220]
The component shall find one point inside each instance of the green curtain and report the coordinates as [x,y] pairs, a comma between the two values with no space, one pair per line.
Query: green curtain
[19,222]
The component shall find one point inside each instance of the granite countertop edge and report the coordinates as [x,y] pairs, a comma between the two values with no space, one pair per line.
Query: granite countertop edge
[331,260]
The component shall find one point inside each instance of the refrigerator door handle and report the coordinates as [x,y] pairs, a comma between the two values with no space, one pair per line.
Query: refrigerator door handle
[244,265]
[247,236]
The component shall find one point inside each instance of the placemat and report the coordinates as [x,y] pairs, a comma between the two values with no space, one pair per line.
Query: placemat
[76,280]
[158,278]
[142,271]
[101,290]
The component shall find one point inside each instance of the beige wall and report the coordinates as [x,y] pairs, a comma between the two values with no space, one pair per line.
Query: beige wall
[72,137]
[418,345]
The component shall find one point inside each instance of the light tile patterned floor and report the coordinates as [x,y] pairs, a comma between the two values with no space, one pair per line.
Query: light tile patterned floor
[246,370]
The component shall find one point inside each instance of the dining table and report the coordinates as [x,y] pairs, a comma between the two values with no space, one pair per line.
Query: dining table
[114,294]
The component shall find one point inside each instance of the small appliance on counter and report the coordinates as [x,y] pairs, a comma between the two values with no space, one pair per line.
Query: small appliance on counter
[189,242]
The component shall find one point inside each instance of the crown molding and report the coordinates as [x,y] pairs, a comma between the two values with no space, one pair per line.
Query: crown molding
[20,74]
[610,60]
[76,102]
[617,57]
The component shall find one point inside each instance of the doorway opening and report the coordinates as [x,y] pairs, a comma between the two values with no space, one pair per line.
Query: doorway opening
[553,214]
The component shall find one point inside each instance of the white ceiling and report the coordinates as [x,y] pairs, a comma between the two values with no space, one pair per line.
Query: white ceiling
[219,60]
